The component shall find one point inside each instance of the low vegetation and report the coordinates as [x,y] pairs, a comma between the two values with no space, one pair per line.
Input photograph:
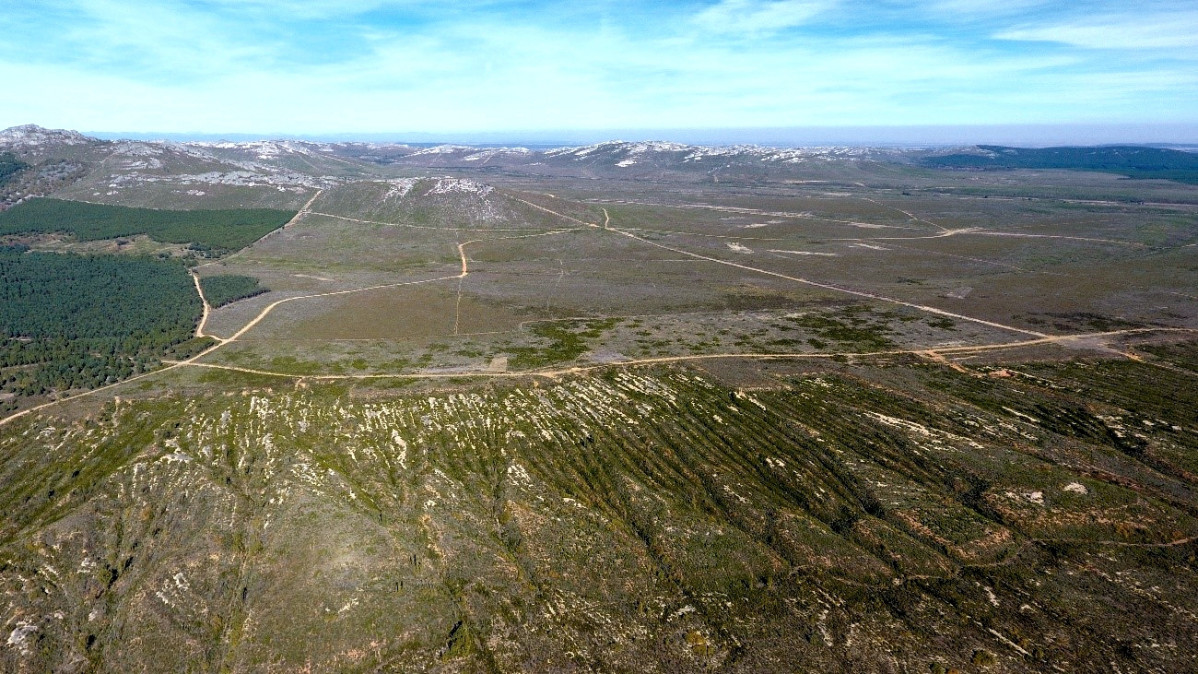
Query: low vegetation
[565,342]
[854,327]
[644,446]
[901,518]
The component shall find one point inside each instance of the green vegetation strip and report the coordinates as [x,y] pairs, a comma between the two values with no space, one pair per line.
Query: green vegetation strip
[212,231]
[72,321]
[228,288]
[1132,161]
[565,342]
[10,165]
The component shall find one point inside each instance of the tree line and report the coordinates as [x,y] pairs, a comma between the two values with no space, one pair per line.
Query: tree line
[228,288]
[80,321]
[210,232]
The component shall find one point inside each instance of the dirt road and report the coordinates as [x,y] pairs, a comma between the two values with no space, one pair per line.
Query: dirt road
[826,286]
[207,307]
[938,355]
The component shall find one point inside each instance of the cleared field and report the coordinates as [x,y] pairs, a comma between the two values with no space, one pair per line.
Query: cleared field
[416,315]
[320,244]
[690,269]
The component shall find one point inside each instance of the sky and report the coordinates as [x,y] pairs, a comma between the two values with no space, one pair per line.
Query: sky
[313,67]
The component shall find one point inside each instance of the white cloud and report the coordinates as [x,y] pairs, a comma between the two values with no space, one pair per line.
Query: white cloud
[160,67]
[150,41]
[332,9]
[1133,30]
[958,9]
[760,16]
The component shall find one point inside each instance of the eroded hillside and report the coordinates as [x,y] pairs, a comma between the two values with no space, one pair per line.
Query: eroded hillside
[849,518]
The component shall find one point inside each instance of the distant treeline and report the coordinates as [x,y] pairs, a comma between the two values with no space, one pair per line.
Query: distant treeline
[228,288]
[1129,160]
[74,321]
[209,231]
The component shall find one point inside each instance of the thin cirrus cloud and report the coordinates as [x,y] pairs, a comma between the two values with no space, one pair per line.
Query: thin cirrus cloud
[320,66]
[756,16]
[1139,32]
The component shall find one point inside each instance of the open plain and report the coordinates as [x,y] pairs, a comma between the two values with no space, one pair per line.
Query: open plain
[624,407]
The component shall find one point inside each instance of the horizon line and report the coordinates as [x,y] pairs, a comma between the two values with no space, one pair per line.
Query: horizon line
[1185,134]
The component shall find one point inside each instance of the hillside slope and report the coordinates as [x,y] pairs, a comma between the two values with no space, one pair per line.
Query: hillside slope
[893,519]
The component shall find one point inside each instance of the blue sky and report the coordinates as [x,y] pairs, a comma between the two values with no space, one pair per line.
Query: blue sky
[361,66]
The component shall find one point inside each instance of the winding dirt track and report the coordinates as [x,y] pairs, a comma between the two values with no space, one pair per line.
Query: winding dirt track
[304,210]
[826,286]
[407,226]
[270,307]
[943,231]
[223,341]
[207,307]
[936,354]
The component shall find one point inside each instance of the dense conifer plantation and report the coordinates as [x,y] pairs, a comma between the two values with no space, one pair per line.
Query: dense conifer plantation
[1130,160]
[73,321]
[210,231]
[228,288]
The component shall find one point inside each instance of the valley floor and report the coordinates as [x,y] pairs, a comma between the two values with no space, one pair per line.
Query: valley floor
[554,414]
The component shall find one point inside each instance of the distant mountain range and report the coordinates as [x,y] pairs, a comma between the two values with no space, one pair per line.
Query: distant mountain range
[32,135]
[308,163]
